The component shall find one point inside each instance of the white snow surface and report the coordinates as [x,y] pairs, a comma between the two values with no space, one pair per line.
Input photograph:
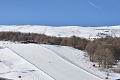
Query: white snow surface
[47,62]
[81,60]
[66,31]
[12,66]
[51,63]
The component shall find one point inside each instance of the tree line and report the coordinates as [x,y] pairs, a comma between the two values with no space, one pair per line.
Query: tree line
[72,41]
[105,51]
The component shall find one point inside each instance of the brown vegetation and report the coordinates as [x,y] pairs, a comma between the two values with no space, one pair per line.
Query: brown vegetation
[73,41]
[105,51]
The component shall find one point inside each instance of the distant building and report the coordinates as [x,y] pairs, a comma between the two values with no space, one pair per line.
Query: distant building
[28,41]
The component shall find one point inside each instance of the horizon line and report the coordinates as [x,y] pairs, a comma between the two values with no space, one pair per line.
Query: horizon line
[53,25]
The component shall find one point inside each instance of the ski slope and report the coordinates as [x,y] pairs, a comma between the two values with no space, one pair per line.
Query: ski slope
[12,66]
[49,62]
[80,59]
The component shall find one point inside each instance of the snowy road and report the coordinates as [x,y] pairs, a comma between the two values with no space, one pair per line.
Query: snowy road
[51,63]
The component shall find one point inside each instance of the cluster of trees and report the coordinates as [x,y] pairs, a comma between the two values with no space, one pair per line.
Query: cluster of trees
[73,41]
[105,51]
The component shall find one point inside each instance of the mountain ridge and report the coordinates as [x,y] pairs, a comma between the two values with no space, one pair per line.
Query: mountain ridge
[66,31]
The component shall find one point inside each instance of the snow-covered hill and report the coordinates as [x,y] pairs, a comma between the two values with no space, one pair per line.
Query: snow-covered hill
[47,62]
[66,31]
[51,63]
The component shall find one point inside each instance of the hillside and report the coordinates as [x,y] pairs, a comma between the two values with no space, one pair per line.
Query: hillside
[53,62]
[66,31]
[12,66]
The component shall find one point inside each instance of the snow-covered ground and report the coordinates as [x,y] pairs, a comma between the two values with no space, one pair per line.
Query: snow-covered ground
[47,62]
[51,63]
[66,31]
[79,58]
[12,66]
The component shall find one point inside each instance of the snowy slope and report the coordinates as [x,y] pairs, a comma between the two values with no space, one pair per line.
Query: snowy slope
[12,66]
[66,31]
[51,63]
[77,57]
[47,62]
